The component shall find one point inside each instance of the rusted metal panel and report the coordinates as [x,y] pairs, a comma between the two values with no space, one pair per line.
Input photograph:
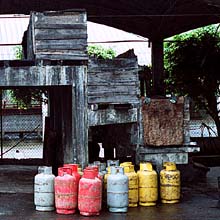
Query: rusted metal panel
[163,122]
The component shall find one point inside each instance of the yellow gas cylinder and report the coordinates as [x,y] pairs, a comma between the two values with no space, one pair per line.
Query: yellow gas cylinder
[125,164]
[148,186]
[80,170]
[169,183]
[133,184]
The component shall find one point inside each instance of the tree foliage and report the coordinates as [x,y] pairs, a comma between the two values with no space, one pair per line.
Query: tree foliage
[101,52]
[192,65]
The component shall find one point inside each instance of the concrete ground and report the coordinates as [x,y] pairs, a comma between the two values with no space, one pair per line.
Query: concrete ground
[199,200]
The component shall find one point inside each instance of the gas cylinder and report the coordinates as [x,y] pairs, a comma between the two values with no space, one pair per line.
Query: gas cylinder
[133,184]
[90,193]
[96,170]
[101,166]
[125,164]
[112,163]
[44,189]
[169,183]
[65,191]
[104,193]
[74,168]
[148,186]
[106,177]
[80,170]
[117,190]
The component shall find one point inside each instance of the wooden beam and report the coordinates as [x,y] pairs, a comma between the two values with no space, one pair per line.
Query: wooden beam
[37,75]
[112,116]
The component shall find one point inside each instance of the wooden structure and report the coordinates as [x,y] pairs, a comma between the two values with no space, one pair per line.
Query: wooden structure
[101,96]
[66,88]
[57,36]
[98,98]
[114,104]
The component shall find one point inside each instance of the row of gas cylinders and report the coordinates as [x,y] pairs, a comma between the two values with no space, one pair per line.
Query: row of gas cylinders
[121,187]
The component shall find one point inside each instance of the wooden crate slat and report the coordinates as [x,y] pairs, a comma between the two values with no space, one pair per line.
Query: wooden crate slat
[64,57]
[60,26]
[53,34]
[117,77]
[119,99]
[60,44]
[60,18]
[117,89]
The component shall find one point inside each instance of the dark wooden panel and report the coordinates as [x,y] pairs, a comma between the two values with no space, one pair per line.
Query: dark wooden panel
[59,26]
[113,81]
[53,34]
[101,90]
[58,35]
[115,77]
[62,56]
[113,99]
[60,44]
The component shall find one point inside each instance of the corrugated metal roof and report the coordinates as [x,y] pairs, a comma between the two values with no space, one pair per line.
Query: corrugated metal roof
[12,28]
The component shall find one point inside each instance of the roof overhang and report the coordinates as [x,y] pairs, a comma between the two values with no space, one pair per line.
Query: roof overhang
[152,19]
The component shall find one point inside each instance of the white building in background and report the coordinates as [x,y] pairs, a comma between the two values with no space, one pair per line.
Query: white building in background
[12,28]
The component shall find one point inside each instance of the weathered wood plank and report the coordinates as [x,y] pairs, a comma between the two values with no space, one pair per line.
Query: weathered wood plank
[111,99]
[60,17]
[115,77]
[59,26]
[112,116]
[61,56]
[101,64]
[60,44]
[44,34]
[37,75]
[112,90]
[81,122]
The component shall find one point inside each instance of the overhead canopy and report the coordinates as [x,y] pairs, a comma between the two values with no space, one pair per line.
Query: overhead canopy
[152,19]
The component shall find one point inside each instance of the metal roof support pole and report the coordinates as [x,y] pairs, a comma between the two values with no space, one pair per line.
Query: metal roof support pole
[157,67]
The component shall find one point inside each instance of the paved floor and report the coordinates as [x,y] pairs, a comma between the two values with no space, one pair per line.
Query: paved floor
[199,200]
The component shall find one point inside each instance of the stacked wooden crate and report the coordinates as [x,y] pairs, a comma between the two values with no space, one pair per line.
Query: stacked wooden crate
[113,81]
[60,35]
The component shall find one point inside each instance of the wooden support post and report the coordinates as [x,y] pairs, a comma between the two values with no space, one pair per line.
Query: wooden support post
[79,117]
[158,67]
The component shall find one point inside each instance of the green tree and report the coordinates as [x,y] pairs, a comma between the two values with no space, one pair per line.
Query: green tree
[192,65]
[101,52]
